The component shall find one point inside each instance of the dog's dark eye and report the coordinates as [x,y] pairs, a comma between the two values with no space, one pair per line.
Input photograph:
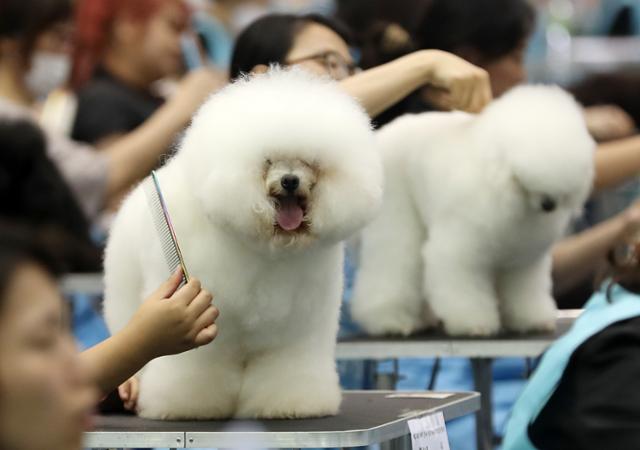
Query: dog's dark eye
[548,204]
[268,162]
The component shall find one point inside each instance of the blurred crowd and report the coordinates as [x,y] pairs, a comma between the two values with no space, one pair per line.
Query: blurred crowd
[94,94]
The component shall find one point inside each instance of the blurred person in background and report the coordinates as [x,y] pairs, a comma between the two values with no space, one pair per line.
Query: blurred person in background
[321,45]
[122,49]
[218,22]
[474,31]
[492,34]
[33,192]
[604,90]
[383,30]
[36,40]
[583,393]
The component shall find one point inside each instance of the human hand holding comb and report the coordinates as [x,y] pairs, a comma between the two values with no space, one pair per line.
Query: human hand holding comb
[173,320]
[189,324]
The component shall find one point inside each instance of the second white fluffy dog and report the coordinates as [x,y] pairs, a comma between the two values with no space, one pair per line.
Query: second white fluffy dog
[471,208]
[272,175]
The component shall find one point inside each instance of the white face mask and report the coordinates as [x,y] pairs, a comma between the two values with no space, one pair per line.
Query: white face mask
[48,72]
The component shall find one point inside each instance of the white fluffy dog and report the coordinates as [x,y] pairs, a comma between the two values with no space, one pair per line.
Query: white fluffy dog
[273,174]
[472,205]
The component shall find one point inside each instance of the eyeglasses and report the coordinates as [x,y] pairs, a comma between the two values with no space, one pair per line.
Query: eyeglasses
[336,65]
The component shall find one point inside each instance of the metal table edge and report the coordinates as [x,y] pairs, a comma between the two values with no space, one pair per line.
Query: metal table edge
[418,349]
[139,439]
[324,439]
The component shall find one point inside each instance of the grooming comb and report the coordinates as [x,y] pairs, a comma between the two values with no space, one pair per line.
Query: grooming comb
[164,227]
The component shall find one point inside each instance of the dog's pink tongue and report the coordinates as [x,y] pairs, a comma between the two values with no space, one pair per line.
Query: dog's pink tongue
[290,214]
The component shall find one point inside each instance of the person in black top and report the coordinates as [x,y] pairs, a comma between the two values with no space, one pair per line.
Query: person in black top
[597,403]
[109,107]
[36,42]
[594,402]
[122,48]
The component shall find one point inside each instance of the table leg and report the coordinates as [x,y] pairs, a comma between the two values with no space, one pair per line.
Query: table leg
[400,443]
[387,381]
[482,380]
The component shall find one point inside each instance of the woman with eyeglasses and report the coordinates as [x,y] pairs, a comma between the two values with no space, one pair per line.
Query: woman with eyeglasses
[320,45]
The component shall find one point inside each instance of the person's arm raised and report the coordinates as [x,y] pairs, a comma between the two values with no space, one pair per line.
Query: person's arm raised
[617,162]
[133,156]
[578,257]
[170,321]
[454,82]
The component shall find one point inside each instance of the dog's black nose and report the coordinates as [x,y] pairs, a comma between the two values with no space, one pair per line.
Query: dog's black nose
[548,204]
[290,183]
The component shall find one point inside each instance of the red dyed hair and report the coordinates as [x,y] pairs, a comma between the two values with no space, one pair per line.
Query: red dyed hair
[94,21]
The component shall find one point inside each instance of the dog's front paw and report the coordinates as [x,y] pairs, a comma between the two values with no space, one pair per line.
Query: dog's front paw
[380,322]
[320,401]
[530,315]
[191,411]
[540,323]
[474,326]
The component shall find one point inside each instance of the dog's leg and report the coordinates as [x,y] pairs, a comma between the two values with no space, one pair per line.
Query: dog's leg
[525,297]
[459,285]
[387,297]
[200,384]
[293,381]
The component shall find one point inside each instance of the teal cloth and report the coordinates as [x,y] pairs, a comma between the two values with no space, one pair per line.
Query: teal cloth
[598,315]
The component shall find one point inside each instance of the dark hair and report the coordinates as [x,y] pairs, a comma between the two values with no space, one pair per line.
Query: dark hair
[26,19]
[269,39]
[618,88]
[370,22]
[494,28]
[32,191]
[20,244]
[94,23]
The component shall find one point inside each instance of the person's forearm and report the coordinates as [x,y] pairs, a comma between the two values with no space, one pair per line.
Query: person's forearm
[381,87]
[133,156]
[616,162]
[115,360]
[577,257]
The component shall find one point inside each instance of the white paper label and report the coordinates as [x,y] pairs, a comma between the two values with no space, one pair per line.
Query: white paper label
[429,433]
[436,395]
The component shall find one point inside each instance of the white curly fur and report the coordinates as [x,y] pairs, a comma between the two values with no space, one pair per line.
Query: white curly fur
[462,237]
[278,295]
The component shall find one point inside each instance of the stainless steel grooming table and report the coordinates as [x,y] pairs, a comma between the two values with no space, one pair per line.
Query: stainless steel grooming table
[366,417]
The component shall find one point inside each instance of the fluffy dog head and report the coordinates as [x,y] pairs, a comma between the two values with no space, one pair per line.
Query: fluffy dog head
[283,159]
[541,133]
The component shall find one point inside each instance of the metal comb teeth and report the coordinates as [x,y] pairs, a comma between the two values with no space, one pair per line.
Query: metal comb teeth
[162,222]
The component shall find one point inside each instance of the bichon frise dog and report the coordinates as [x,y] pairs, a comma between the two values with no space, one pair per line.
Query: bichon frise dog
[471,207]
[273,174]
